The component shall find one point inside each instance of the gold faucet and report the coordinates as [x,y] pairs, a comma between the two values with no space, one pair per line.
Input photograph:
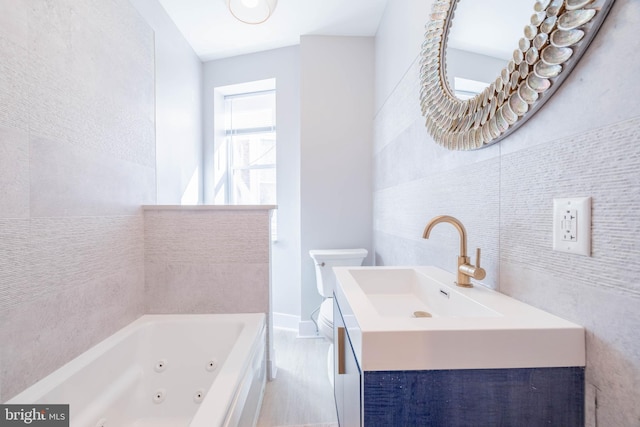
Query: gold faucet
[465,269]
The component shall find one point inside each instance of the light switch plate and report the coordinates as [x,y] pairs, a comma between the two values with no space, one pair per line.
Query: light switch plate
[572,225]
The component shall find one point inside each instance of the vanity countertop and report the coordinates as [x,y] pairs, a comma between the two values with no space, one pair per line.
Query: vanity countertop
[465,328]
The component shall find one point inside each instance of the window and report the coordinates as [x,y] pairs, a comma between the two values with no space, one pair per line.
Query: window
[245,145]
[250,131]
[467,89]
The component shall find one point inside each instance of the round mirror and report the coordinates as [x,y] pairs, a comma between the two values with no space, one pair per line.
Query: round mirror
[488,66]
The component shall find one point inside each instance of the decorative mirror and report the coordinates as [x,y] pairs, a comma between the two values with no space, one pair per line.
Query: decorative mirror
[465,113]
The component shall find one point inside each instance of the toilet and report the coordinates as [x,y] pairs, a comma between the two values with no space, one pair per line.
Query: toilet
[325,260]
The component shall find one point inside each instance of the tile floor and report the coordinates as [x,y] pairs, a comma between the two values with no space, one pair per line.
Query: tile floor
[301,394]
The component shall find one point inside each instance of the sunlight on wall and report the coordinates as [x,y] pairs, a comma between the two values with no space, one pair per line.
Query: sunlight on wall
[190,195]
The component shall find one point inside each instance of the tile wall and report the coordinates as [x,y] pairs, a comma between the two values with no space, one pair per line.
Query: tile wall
[77,159]
[206,259]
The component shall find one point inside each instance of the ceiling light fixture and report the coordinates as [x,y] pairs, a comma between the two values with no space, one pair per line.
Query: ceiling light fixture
[252,11]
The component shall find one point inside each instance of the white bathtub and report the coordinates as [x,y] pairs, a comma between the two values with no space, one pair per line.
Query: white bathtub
[165,370]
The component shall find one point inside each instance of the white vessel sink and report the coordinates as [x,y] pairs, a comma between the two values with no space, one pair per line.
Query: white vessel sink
[456,328]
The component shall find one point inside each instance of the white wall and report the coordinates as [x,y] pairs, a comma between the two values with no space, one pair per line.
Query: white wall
[399,43]
[485,68]
[178,109]
[283,65]
[335,165]
[583,142]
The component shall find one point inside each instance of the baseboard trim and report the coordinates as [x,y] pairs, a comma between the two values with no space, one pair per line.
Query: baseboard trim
[272,370]
[286,321]
[290,322]
[307,329]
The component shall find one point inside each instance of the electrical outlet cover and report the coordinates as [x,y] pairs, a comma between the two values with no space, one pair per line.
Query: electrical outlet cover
[572,225]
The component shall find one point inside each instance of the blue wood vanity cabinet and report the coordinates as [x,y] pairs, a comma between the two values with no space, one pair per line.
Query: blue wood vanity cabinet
[518,397]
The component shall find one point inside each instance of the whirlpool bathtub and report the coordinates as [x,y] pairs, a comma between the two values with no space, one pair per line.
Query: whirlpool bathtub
[164,370]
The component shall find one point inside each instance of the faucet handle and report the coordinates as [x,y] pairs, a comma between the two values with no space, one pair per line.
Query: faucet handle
[479,272]
[473,271]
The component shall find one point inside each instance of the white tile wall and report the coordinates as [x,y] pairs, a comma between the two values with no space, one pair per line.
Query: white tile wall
[13,87]
[14,262]
[14,21]
[91,81]
[77,181]
[399,110]
[601,163]
[208,288]
[14,174]
[77,158]
[207,261]
[40,335]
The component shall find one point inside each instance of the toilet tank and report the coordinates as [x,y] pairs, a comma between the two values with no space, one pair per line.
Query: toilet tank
[326,259]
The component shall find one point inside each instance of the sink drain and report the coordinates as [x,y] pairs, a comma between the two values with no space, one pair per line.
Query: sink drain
[421,314]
